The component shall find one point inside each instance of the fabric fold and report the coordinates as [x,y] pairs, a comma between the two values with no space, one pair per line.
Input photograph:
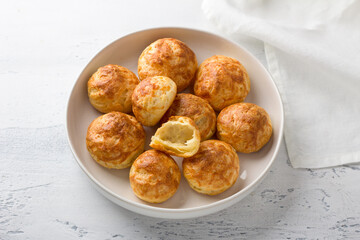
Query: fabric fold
[312,54]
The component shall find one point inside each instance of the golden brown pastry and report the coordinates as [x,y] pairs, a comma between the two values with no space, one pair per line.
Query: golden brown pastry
[151,98]
[110,88]
[179,136]
[154,176]
[222,81]
[245,126]
[171,58]
[197,109]
[213,169]
[115,139]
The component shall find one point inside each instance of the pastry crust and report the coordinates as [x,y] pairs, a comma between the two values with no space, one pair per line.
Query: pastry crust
[151,98]
[222,81]
[110,88]
[213,169]
[154,176]
[245,126]
[115,139]
[171,58]
[197,109]
[179,136]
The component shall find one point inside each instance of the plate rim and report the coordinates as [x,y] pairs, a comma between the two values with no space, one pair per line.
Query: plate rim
[194,210]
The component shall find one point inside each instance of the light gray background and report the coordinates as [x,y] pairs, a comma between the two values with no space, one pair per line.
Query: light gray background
[44,194]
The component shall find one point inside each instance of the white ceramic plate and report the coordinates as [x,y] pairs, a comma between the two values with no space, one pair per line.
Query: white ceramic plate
[186,203]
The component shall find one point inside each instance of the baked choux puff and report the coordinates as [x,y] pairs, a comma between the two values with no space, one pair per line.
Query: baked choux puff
[110,88]
[213,169]
[115,139]
[179,136]
[245,126]
[154,176]
[151,98]
[197,109]
[171,58]
[222,81]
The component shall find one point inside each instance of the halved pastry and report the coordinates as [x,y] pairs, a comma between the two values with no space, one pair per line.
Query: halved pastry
[196,108]
[179,136]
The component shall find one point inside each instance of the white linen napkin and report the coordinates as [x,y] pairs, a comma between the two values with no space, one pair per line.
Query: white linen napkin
[313,53]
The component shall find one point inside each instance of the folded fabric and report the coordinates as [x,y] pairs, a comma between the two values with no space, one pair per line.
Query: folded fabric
[313,55]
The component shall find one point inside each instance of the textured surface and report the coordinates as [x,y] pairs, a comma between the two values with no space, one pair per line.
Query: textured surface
[110,88]
[213,169]
[171,58]
[222,81]
[154,176]
[245,126]
[115,139]
[151,98]
[45,195]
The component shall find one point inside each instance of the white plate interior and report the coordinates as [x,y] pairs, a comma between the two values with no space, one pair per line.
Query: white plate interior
[125,52]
